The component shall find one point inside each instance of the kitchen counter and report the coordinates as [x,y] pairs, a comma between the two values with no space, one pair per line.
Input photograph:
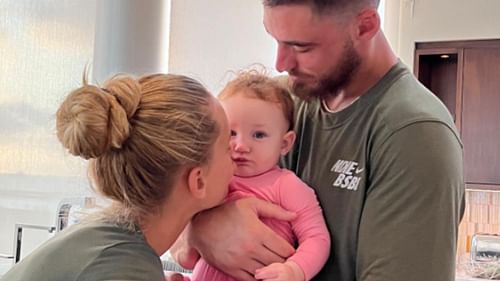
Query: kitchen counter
[463,278]
[5,265]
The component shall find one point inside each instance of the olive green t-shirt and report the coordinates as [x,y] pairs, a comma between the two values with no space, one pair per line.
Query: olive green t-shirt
[91,251]
[388,172]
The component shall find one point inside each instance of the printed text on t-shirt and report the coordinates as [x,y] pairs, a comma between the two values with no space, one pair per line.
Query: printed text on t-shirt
[347,174]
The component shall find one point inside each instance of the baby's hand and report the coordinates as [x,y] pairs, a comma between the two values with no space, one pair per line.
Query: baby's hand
[174,276]
[288,271]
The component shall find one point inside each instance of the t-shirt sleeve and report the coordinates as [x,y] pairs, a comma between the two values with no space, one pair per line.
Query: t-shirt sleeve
[124,262]
[408,229]
[309,227]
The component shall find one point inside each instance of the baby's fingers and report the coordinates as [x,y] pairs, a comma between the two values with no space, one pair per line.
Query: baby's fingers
[268,272]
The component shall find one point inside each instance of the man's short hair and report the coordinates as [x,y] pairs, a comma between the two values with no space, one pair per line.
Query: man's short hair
[321,7]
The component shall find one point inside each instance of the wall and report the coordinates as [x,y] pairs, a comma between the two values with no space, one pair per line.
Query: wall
[208,38]
[131,37]
[443,20]
[44,46]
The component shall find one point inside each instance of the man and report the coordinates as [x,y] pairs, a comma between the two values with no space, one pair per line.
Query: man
[380,150]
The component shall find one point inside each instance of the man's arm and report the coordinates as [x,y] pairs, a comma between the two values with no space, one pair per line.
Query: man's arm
[233,239]
[181,251]
[415,201]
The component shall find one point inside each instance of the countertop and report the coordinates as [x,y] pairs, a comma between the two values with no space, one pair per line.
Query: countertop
[463,278]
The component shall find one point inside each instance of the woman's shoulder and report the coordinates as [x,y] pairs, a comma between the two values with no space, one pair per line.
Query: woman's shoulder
[104,233]
[89,251]
[118,253]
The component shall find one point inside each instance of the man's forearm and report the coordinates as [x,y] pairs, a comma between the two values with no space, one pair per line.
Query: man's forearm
[182,252]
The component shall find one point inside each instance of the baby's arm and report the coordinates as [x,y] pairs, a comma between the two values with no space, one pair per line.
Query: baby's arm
[310,229]
[286,271]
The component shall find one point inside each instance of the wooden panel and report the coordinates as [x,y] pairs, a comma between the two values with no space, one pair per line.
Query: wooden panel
[445,87]
[474,186]
[440,76]
[481,115]
[459,44]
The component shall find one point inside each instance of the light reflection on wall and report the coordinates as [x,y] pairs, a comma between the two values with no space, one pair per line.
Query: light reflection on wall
[44,47]
[381,11]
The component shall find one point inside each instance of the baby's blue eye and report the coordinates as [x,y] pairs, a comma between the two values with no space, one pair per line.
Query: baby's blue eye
[259,135]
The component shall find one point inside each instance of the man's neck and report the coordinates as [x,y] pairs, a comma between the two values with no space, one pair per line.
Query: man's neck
[369,74]
[339,102]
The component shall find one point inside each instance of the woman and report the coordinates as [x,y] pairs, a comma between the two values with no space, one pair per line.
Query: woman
[159,150]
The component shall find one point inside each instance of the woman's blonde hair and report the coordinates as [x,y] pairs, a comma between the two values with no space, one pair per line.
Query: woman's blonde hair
[256,83]
[138,134]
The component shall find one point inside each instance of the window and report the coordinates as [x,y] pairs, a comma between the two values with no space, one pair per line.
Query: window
[381,11]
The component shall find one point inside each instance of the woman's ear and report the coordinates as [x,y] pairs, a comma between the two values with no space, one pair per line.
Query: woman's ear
[196,182]
[287,142]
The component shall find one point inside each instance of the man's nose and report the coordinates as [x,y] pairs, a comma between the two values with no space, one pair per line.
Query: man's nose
[285,60]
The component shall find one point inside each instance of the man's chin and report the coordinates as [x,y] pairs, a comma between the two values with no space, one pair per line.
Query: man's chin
[304,91]
[300,80]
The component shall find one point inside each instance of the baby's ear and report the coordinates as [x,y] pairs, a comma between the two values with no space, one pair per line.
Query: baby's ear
[287,142]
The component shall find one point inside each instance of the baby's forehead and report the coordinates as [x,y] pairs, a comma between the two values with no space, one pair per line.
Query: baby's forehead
[270,98]
[249,98]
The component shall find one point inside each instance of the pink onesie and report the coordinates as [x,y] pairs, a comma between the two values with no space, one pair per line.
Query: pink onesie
[308,230]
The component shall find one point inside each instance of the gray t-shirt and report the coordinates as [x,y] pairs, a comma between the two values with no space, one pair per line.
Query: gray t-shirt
[388,172]
[91,251]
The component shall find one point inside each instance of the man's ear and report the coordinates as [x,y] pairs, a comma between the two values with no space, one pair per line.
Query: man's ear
[287,142]
[196,182]
[368,24]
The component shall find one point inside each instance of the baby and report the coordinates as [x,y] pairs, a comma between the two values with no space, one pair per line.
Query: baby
[260,115]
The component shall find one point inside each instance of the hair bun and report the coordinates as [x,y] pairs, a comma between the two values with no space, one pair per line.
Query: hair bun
[127,92]
[92,120]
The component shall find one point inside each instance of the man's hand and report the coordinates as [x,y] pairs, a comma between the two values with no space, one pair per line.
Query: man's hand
[185,255]
[233,239]
[288,271]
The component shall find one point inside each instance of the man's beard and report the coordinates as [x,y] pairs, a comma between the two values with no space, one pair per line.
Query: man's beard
[330,84]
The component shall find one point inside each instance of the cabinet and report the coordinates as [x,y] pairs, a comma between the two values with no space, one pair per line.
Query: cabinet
[465,75]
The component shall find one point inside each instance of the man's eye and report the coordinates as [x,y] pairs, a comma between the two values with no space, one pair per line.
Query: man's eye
[302,49]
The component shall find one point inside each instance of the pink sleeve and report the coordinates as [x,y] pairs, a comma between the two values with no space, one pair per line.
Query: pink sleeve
[309,226]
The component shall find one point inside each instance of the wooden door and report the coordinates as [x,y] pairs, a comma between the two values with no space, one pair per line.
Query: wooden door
[481,115]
